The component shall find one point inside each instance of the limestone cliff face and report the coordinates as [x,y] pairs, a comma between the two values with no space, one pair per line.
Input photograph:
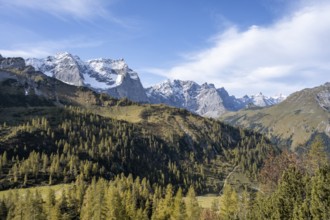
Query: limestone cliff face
[200,99]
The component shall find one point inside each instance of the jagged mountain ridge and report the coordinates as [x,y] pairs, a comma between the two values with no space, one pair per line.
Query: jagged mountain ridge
[205,99]
[102,75]
[116,79]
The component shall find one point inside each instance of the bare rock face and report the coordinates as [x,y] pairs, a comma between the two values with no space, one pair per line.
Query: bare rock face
[12,63]
[323,97]
[200,99]
[117,79]
[62,66]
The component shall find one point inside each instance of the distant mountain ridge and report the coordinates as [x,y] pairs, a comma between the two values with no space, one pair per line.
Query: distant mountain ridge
[205,99]
[115,78]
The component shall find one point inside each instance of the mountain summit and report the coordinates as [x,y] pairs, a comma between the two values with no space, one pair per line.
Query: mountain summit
[102,75]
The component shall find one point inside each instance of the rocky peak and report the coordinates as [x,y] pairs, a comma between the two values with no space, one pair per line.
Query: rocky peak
[12,63]
[201,99]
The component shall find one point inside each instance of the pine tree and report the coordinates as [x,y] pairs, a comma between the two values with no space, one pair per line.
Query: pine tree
[320,194]
[317,156]
[244,204]
[115,207]
[290,192]
[179,209]
[3,210]
[165,206]
[229,203]
[49,201]
[192,206]
[37,206]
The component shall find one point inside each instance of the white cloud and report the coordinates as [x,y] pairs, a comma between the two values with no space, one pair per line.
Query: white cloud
[288,55]
[24,53]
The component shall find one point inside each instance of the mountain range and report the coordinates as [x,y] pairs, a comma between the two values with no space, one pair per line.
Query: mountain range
[115,78]
[205,99]
[290,122]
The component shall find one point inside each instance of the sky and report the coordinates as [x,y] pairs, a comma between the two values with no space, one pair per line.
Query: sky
[245,46]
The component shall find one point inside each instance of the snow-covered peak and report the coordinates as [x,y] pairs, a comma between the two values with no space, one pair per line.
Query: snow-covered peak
[108,67]
[172,87]
[261,100]
[61,55]
[280,97]
[36,63]
[102,63]
[99,74]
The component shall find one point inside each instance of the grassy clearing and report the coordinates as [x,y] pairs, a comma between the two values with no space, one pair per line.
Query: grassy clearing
[58,189]
[207,201]
[128,113]
[237,179]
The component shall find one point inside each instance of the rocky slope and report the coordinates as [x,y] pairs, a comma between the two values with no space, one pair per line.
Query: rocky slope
[102,75]
[296,120]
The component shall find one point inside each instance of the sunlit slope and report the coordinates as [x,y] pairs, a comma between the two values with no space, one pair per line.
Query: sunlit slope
[294,121]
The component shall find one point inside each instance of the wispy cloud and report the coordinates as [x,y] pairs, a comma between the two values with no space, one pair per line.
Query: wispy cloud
[289,54]
[46,48]
[80,9]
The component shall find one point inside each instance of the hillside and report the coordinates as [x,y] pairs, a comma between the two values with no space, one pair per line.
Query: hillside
[51,132]
[293,122]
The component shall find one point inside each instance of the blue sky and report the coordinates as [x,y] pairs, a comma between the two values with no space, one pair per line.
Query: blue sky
[246,46]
